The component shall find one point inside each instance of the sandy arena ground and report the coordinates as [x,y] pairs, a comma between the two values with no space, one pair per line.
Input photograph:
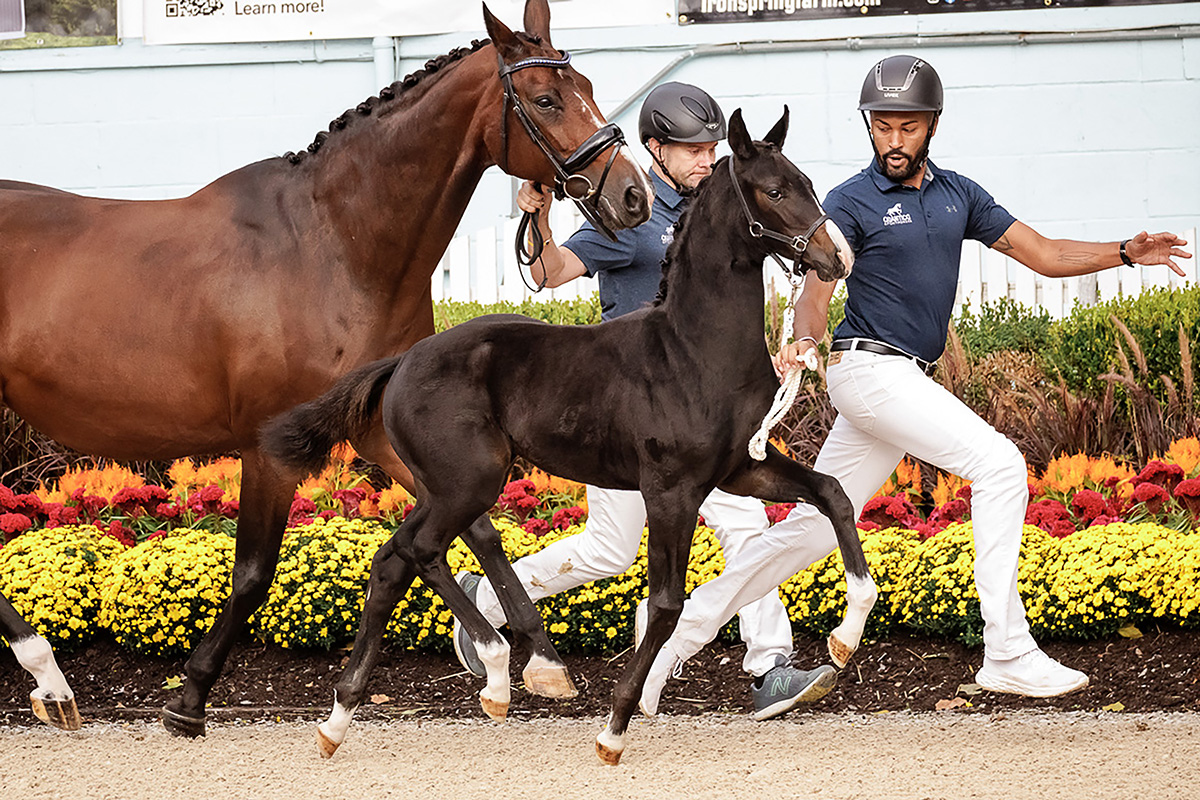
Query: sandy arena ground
[822,756]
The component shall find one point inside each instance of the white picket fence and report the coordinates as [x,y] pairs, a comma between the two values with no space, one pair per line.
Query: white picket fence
[482,267]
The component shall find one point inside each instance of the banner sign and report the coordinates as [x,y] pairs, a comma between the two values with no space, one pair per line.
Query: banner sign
[701,11]
[204,21]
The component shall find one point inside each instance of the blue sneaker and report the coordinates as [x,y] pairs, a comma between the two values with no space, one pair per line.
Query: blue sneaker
[464,648]
[784,687]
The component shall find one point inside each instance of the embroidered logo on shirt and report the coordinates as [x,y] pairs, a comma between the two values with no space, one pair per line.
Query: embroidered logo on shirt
[669,234]
[896,216]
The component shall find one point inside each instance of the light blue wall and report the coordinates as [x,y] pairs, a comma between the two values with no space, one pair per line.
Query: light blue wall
[1093,137]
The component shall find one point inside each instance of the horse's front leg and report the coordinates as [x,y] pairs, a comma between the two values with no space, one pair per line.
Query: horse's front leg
[53,701]
[266,497]
[545,674]
[671,517]
[781,479]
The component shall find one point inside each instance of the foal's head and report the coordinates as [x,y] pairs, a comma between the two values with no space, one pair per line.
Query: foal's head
[546,99]
[784,212]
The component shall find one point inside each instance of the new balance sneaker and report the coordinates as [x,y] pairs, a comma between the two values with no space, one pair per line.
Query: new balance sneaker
[1034,674]
[464,648]
[784,687]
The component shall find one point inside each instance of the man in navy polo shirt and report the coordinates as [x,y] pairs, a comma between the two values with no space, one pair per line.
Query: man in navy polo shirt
[906,219]
[680,125]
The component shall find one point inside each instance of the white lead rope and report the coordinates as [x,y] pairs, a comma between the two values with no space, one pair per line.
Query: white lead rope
[791,382]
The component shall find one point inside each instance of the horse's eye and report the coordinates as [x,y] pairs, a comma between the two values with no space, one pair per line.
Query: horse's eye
[545,102]
[774,194]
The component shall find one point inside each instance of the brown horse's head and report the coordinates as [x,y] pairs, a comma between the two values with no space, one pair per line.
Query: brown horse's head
[782,201]
[551,131]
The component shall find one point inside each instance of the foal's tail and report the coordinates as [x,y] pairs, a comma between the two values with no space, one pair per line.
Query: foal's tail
[304,437]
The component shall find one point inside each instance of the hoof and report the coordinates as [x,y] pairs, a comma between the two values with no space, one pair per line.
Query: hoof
[496,710]
[62,714]
[550,681]
[325,746]
[840,652]
[181,725]
[608,755]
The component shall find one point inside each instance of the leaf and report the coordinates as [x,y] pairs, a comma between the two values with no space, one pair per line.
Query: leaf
[1130,632]
[950,705]
[380,698]
[969,689]
[173,682]
[1118,706]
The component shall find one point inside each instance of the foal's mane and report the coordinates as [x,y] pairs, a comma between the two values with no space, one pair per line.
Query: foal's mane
[718,176]
[385,101]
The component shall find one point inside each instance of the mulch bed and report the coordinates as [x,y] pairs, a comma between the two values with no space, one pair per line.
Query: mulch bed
[1157,672]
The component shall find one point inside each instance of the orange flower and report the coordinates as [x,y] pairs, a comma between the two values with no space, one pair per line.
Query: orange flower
[187,477]
[101,482]
[1186,454]
[544,484]
[906,478]
[947,488]
[392,500]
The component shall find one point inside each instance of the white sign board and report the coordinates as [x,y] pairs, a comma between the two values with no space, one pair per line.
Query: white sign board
[210,21]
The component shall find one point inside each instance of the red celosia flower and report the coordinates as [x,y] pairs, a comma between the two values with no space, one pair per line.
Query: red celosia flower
[1062,529]
[1161,474]
[350,499]
[536,526]
[230,509]
[948,513]
[58,515]
[1151,495]
[328,514]
[89,504]
[777,512]
[302,512]
[167,511]
[1045,514]
[119,532]
[1188,494]
[12,524]
[566,517]
[1103,519]
[207,500]
[28,504]
[7,498]
[1088,504]
[890,512]
[517,498]
[867,525]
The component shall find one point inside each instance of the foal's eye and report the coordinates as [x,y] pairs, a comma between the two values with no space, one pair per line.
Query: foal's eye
[774,194]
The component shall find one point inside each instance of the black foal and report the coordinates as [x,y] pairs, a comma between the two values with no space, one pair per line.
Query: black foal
[663,400]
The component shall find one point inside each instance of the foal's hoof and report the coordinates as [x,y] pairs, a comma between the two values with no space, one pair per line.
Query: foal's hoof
[325,746]
[550,681]
[181,724]
[839,651]
[62,714]
[610,747]
[494,708]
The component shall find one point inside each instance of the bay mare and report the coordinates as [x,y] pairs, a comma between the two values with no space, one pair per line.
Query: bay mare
[160,329]
[664,400]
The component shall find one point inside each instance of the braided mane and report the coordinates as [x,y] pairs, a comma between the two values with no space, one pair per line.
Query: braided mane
[389,94]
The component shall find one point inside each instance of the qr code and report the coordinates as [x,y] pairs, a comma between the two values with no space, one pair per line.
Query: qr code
[193,8]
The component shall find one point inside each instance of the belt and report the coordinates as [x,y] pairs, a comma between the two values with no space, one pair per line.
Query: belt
[872,346]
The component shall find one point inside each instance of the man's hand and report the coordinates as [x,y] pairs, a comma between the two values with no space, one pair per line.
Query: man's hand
[1157,248]
[793,355]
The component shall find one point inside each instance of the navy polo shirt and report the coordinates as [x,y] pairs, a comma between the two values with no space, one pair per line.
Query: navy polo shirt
[630,269]
[907,244]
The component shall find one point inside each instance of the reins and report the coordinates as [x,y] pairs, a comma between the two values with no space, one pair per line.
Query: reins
[569,180]
[785,396]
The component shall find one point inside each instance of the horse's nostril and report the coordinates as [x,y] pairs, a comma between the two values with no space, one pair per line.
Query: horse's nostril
[635,200]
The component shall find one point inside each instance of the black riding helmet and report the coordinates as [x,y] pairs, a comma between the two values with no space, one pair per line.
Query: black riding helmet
[679,112]
[901,83]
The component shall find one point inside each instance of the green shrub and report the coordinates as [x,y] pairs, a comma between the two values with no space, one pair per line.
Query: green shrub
[1003,325]
[581,311]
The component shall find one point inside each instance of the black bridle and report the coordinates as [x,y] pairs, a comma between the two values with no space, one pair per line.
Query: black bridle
[798,244]
[569,180]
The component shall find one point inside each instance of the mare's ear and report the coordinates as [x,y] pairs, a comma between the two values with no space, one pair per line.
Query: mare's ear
[537,19]
[504,40]
[779,132]
[739,138]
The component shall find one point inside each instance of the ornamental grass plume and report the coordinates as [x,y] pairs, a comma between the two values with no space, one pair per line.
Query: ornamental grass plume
[52,576]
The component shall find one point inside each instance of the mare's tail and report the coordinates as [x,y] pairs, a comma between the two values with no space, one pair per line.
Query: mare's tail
[304,437]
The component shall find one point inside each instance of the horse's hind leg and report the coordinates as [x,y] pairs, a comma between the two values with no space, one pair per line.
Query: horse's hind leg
[672,521]
[391,577]
[266,496]
[53,701]
[784,480]
[545,674]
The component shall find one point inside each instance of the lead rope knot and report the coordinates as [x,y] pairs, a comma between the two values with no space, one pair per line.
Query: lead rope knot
[786,395]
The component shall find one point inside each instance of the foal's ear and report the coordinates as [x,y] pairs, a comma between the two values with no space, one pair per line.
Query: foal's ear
[537,19]
[739,138]
[503,39]
[779,132]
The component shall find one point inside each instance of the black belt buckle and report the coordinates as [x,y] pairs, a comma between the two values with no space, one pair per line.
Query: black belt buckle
[883,349]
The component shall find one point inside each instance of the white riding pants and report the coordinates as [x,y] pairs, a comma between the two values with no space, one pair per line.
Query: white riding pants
[608,545]
[887,407]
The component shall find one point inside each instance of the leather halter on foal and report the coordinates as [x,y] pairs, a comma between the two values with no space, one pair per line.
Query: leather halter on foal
[798,244]
[569,179]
